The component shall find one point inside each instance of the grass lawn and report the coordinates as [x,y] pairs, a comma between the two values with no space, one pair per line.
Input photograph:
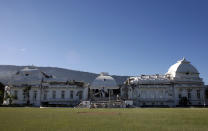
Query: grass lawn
[156,119]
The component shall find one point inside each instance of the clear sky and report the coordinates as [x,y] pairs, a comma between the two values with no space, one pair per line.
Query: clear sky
[122,37]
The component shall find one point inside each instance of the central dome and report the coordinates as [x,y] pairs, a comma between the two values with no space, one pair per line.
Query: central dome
[183,67]
[104,81]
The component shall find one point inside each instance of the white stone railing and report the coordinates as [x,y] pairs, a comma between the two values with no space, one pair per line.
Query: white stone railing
[59,99]
[154,99]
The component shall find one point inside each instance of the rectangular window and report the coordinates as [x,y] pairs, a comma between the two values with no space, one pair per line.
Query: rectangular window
[45,95]
[54,94]
[35,95]
[71,94]
[198,94]
[189,94]
[206,93]
[16,94]
[62,94]
[24,95]
[80,93]
[179,96]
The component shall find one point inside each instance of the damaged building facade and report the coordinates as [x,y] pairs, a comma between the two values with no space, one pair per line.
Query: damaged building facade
[180,86]
[30,86]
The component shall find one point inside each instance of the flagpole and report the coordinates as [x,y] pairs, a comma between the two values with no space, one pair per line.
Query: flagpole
[109,95]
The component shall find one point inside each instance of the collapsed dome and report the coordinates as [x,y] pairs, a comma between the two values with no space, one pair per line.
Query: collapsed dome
[183,68]
[29,75]
[104,80]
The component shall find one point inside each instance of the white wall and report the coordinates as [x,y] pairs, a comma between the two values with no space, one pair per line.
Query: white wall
[20,96]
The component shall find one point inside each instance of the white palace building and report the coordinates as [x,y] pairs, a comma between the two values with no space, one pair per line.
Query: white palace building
[180,86]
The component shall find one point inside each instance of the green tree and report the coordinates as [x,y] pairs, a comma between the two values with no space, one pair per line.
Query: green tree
[10,98]
[1,93]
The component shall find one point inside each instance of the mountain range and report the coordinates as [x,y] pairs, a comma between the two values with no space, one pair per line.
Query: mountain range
[8,71]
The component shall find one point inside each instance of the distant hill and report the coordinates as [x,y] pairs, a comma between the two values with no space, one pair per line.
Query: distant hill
[61,74]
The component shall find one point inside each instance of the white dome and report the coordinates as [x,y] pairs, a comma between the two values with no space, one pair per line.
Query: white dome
[104,81]
[182,67]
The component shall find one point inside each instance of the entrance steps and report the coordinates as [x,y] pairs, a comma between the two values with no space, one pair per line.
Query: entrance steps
[102,104]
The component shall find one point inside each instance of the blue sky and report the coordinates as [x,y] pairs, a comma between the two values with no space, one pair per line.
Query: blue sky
[122,37]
